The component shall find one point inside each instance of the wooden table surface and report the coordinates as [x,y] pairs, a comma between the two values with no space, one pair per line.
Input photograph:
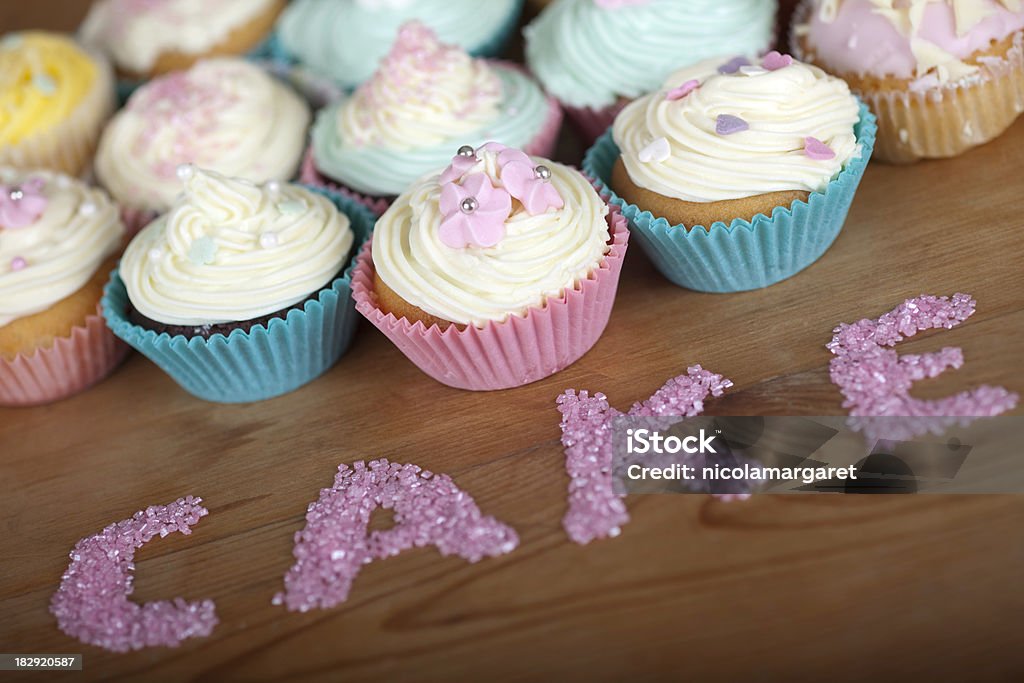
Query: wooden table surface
[802,587]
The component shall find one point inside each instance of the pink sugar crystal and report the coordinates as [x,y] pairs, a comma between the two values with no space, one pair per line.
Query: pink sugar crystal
[92,602]
[595,510]
[429,509]
[876,381]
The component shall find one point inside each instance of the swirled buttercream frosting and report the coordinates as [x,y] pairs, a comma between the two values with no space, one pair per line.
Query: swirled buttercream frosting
[589,53]
[425,98]
[493,235]
[55,232]
[136,32]
[718,131]
[231,250]
[345,39]
[226,115]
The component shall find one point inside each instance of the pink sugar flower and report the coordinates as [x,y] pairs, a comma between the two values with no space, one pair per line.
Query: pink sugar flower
[528,183]
[22,205]
[474,212]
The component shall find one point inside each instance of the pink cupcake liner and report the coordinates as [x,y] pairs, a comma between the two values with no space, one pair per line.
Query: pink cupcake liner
[592,123]
[542,145]
[521,350]
[71,365]
[135,220]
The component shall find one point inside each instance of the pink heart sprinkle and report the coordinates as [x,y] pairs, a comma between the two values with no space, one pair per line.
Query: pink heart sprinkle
[682,91]
[818,150]
[727,124]
[773,61]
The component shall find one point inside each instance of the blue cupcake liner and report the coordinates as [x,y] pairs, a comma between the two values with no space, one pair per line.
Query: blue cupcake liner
[266,361]
[743,255]
[273,48]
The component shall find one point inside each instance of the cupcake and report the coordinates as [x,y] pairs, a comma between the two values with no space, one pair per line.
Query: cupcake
[345,39]
[59,240]
[498,271]
[147,39]
[54,99]
[594,56]
[425,99]
[226,115]
[737,179]
[240,293]
[942,76]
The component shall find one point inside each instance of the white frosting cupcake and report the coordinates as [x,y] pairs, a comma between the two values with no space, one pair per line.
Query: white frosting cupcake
[232,251]
[135,34]
[55,232]
[226,115]
[492,236]
[718,132]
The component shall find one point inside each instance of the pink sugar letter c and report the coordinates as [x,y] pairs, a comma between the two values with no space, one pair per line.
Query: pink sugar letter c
[92,602]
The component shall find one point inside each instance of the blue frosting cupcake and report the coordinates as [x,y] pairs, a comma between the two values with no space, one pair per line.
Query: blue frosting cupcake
[345,39]
[425,101]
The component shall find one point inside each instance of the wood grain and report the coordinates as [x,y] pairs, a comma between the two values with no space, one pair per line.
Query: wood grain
[806,588]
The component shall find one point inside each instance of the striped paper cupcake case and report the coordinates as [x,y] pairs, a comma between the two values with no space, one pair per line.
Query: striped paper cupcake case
[268,360]
[70,365]
[743,255]
[518,351]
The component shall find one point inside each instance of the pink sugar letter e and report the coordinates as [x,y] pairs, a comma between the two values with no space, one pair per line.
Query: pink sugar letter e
[876,381]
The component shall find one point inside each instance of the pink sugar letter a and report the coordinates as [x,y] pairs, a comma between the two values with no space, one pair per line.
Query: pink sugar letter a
[429,509]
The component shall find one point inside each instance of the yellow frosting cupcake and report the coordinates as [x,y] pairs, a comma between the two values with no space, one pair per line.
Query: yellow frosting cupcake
[54,99]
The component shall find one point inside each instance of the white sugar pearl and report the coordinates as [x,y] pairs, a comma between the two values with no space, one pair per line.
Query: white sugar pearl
[186,171]
[268,240]
[155,254]
[87,209]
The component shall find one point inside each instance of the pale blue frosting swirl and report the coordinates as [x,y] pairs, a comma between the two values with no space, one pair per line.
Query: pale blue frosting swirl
[344,39]
[590,56]
[385,171]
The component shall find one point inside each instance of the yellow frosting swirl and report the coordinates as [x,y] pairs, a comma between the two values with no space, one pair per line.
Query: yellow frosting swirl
[43,77]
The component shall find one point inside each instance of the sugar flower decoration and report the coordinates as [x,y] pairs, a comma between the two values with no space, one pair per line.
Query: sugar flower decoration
[527,182]
[22,205]
[474,212]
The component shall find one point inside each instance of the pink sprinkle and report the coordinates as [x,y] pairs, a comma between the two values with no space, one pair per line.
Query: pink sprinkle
[429,509]
[18,263]
[682,91]
[773,61]
[818,150]
[595,510]
[876,381]
[92,602]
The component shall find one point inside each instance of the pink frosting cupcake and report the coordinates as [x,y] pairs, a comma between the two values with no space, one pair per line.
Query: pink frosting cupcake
[942,76]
